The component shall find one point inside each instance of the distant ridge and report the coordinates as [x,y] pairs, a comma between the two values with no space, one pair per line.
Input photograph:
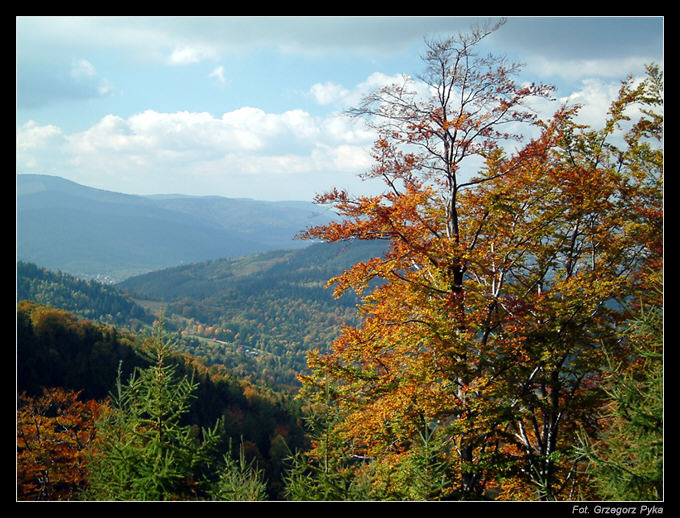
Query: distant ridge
[88,232]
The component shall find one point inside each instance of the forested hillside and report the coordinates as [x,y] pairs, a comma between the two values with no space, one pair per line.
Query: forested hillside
[57,350]
[85,298]
[258,315]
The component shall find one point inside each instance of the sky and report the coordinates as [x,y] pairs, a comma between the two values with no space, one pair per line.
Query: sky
[252,107]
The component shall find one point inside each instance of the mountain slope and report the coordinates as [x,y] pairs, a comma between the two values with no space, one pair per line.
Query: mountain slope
[91,232]
[258,315]
[310,267]
[86,299]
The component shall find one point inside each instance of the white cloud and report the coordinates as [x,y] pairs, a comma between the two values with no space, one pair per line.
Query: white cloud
[345,158]
[187,151]
[191,54]
[328,92]
[347,131]
[576,69]
[82,68]
[33,136]
[595,97]
[180,145]
[218,73]
[332,93]
[38,147]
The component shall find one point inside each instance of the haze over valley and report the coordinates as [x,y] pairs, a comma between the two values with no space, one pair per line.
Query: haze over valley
[93,233]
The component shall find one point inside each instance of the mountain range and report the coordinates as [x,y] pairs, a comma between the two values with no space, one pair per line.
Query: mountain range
[95,233]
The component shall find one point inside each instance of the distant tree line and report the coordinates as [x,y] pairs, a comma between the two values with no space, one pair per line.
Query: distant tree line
[85,298]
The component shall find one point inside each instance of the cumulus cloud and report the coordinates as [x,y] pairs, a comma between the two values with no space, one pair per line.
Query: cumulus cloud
[38,146]
[595,97]
[328,92]
[184,150]
[33,136]
[246,141]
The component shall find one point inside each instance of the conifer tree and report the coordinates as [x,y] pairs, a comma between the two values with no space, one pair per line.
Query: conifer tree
[327,471]
[240,480]
[626,463]
[144,452]
[424,473]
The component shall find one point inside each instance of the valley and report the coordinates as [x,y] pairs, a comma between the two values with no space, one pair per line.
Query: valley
[255,315]
[233,286]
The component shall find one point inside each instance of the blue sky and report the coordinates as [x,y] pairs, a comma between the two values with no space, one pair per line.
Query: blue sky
[251,106]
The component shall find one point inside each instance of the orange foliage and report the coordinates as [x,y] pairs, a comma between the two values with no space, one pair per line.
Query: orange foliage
[54,432]
[491,318]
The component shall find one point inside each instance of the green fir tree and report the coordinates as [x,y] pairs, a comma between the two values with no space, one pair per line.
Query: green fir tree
[627,461]
[144,451]
[240,480]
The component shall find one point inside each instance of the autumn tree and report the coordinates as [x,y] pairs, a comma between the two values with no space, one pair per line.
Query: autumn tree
[422,355]
[54,432]
[598,202]
[497,292]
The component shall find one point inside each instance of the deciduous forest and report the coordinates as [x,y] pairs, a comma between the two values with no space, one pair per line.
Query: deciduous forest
[500,339]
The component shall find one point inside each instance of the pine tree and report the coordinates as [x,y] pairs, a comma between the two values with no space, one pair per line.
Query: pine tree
[240,480]
[327,471]
[144,451]
[626,463]
[424,474]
